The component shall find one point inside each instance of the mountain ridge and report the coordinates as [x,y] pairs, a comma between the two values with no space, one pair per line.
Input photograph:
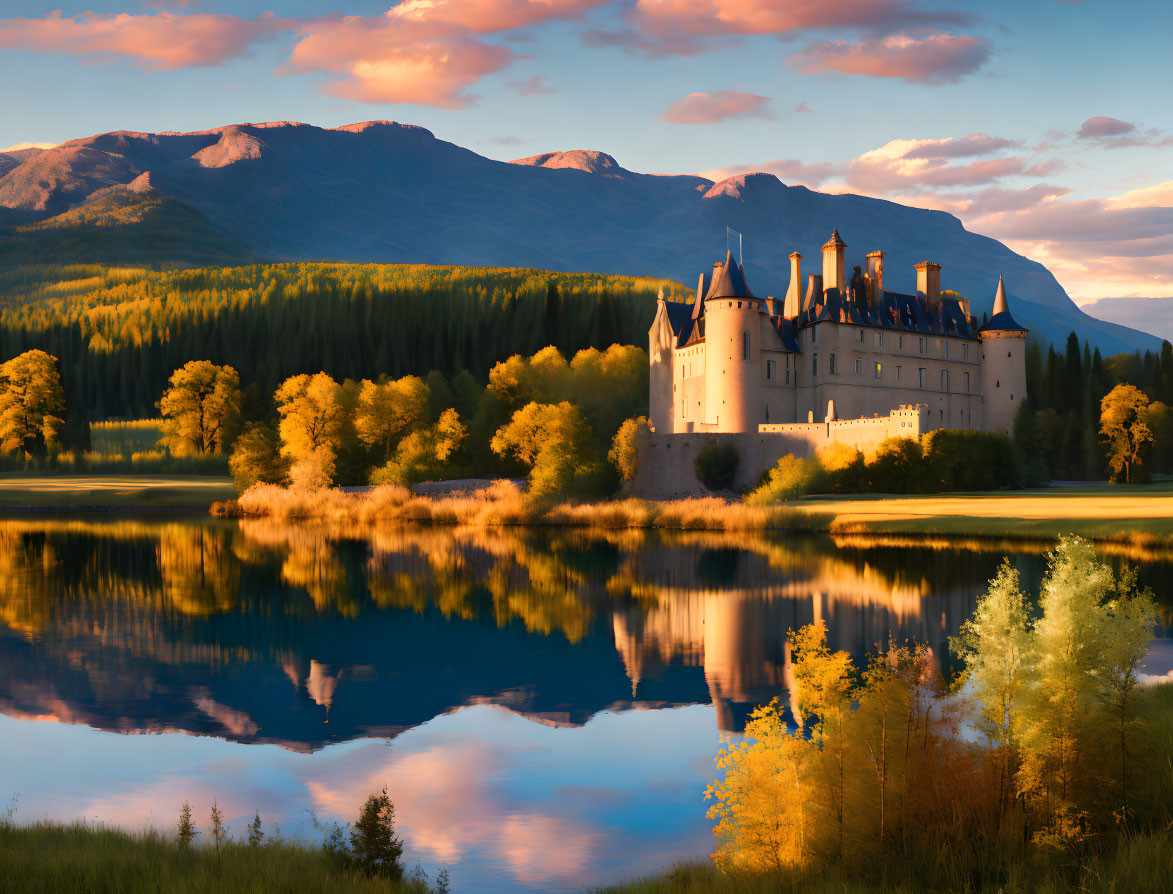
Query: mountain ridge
[383,191]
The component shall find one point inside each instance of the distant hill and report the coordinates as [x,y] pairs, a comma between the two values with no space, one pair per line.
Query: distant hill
[388,192]
[123,225]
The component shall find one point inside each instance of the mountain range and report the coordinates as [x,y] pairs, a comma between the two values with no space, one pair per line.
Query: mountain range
[387,192]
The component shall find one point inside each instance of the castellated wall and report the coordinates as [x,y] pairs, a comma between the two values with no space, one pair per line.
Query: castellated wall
[666,460]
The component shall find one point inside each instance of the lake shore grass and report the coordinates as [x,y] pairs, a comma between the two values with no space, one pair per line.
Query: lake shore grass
[1140,515]
[19,491]
[53,857]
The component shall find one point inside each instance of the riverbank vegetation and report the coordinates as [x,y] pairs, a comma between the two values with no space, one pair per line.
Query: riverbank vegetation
[1044,764]
[363,857]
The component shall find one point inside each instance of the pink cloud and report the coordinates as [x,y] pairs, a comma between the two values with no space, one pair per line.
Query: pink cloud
[532,87]
[802,107]
[710,108]
[961,147]
[161,41]
[924,57]
[1102,126]
[788,171]
[490,16]
[685,27]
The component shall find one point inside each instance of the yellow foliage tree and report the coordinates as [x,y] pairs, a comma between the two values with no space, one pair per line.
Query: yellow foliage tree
[390,409]
[624,453]
[557,444]
[423,455]
[32,403]
[312,419]
[201,409]
[1124,429]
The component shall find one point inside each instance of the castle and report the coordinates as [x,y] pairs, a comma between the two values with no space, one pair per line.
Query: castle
[837,361]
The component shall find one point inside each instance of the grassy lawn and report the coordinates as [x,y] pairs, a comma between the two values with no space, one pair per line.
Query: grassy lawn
[111,491]
[1095,512]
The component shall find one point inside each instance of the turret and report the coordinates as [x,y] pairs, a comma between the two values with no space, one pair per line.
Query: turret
[1003,365]
[875,274]
[732,351]
[833,252]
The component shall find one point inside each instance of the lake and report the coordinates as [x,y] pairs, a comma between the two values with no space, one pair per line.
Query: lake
[544,706]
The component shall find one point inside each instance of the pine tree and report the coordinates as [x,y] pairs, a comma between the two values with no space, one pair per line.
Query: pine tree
[373,844]
[256,835]
[187,829]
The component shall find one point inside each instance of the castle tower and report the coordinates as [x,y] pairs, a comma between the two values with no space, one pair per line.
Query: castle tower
[833,254]
[928,281]
[733,351]
[1003,365]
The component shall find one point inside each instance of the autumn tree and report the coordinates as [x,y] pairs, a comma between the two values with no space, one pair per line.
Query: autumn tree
[624,453]
[201,409]
[311,427]
[390,409]
[424,455]
[1124,430]
[556,443]
[256,458]
[32,403]
[763,799]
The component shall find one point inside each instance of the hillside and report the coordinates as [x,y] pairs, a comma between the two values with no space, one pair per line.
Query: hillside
[387,192]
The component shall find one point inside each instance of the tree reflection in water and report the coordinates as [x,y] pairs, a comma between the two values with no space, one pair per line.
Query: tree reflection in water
[261,630]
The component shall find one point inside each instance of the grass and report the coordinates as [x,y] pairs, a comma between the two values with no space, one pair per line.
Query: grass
[1140,515]
[51,857]
[1140,863]
[22,491]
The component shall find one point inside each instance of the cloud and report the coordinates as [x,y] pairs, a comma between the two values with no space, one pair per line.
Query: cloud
[506,141]
[961,147]
[686,27]
[535,85]
[160,41]
[923,57]
[788,171]
[711,108]
[910,164]
[802,107]
[1103,127]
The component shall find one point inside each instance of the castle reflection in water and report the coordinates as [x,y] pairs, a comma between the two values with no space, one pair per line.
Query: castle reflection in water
[304,634]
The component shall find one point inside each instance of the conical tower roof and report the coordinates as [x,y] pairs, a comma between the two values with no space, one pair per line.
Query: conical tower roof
[1001,321]
[835,241]
[728,281]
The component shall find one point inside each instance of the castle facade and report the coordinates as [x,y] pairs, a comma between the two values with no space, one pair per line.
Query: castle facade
[834,359]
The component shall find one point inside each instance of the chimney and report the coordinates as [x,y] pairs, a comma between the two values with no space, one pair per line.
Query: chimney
[875,260]
[814,292]
[928,282]
[833,249]
[791,306]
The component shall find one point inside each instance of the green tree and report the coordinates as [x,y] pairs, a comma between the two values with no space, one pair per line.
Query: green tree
[32,403]
[187,829]
[556,443]
[994,645]
[373,844]
[1123,427]
[256,835]
[201,409]
[424,455]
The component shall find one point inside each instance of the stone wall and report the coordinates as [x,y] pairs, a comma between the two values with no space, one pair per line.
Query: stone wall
[666,460]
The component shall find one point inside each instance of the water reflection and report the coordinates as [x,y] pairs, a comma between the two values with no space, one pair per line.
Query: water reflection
[544,704]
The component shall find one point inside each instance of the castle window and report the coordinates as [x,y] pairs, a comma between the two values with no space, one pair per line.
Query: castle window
[814,335]
[745,345]
[739,305]
[967,383]
[834,364]
[965,352]
[900,342]
[879,339]
[898,374]
[814,364]
[879,370]
[684,408]
[857,365]
[771,367]
[923,373]
[787,376]
[944,380]
[945,348]
[861,336]
[922,345]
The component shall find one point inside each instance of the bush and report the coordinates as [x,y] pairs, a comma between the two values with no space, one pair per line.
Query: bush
[791,477]
[716,465]
[970,460]
[898,467]
[624,453]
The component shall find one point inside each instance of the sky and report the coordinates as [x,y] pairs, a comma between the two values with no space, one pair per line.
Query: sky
[1046,124]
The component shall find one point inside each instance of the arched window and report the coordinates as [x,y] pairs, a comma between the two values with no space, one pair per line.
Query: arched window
[745,345]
